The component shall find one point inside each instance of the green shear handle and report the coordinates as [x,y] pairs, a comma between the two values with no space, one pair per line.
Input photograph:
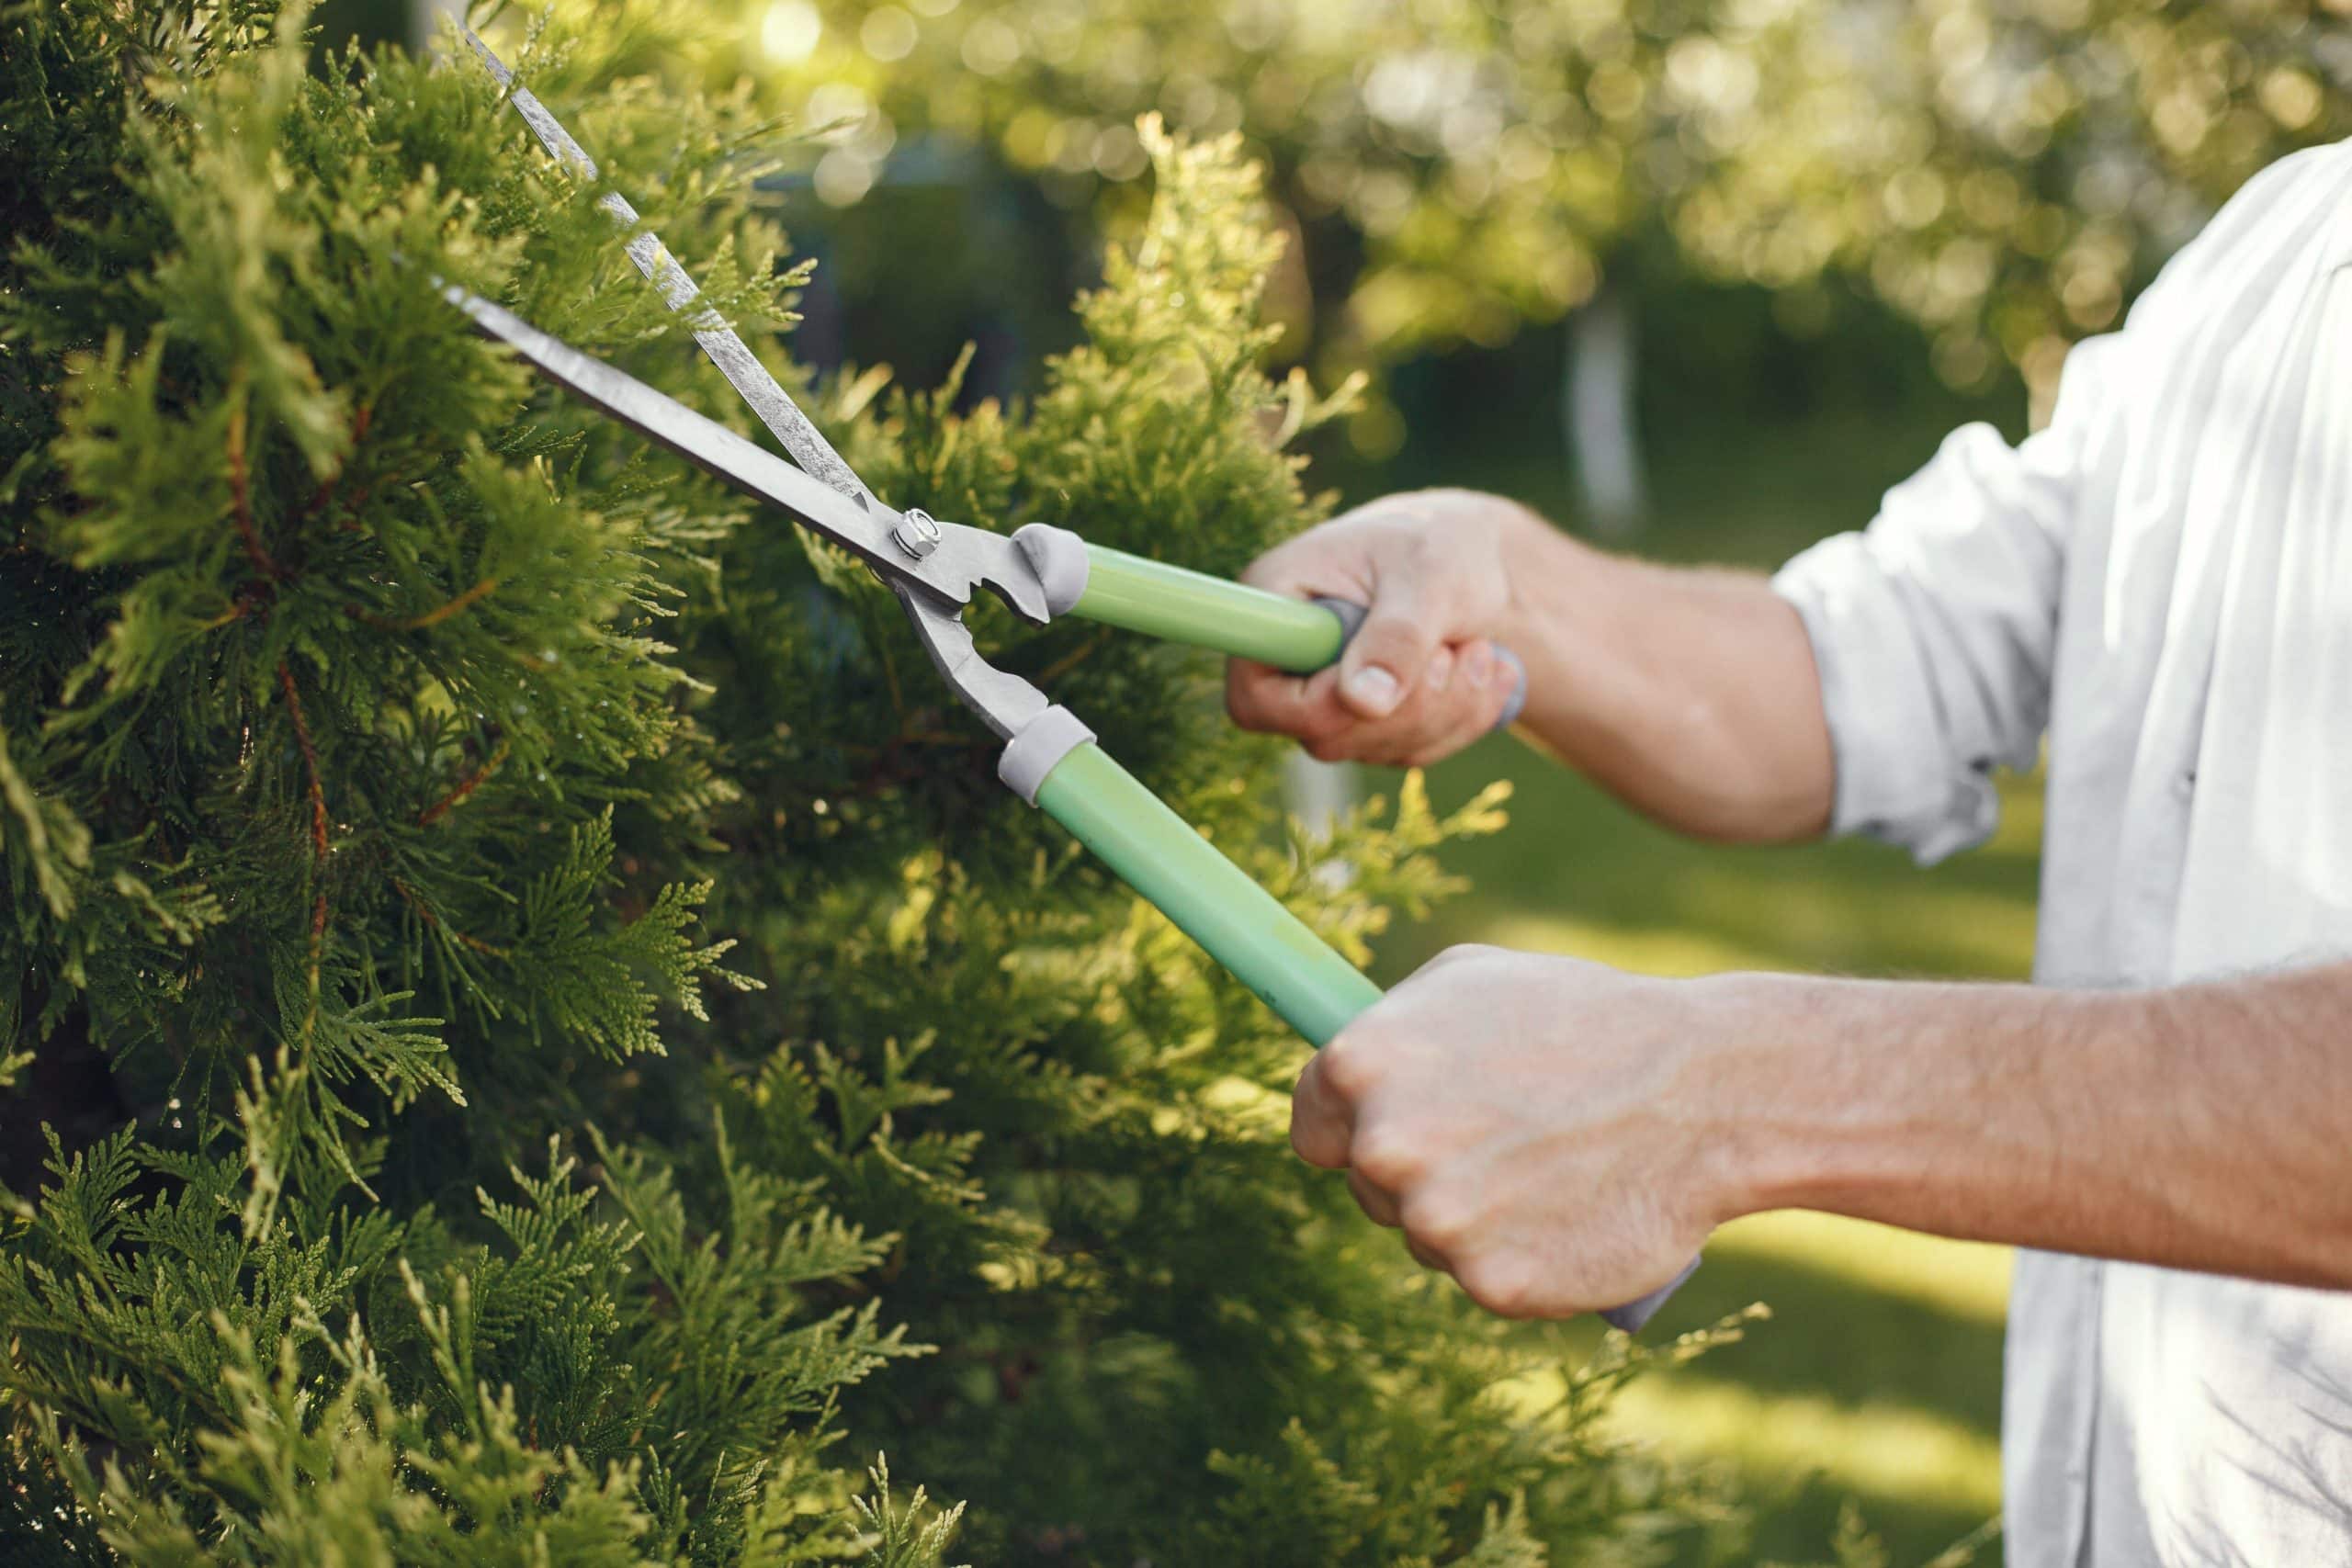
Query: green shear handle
[1053,762]
[1057,767]
[1179,605]
[1242,925]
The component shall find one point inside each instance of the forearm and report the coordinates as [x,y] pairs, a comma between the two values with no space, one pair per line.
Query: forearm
[1691,695]
[2201,1127]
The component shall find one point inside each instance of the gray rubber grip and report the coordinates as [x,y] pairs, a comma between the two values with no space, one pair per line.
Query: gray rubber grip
[1352,621]
[1633,1315]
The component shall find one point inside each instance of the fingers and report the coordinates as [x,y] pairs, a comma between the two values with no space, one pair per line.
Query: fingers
[1382,1208]
[1436,1228]
[1460,694]
[1365,1107]
[1500,1110]
[1488,684]
[1321,1121]
[1403,636]
[1273,701]
[1377,1206]
[1417,680]
[1464,692]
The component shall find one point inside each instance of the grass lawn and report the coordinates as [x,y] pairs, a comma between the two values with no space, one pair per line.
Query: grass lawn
[1879,1376]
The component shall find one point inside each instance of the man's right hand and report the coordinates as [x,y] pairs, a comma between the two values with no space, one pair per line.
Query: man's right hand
[1691,695]
[1420,680]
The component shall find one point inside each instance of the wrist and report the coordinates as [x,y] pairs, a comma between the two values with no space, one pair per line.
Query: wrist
[1895,1099]
[1776,1081]
[1541,570]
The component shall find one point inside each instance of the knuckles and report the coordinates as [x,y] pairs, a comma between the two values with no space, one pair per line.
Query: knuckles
[1313,1148]
[1350,1067]
[1500,1283]
[1318,1141]
[1437,1221]
[1390,1160]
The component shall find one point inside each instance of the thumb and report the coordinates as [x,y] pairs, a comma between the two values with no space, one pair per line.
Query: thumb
[1387,656]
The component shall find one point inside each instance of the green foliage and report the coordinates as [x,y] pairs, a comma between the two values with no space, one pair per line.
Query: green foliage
[2005,172]
[392,751]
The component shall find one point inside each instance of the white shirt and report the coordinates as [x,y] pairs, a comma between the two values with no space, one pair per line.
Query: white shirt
[2161,582]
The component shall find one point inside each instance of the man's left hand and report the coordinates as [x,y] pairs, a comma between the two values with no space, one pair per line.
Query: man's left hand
[1552,1133]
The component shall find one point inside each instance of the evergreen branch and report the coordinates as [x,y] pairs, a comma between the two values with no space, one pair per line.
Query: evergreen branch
[319,846]
[431,617]
[325,492]
[425,913]
[356,503]
[465,787]
[235,611]
[480,590]
[903,1538]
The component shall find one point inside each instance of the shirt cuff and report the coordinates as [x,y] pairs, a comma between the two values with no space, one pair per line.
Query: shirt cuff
[1896,779]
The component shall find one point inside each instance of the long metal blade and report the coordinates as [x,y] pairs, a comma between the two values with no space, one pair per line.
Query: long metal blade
[742,369]
[962,560]
[855,521]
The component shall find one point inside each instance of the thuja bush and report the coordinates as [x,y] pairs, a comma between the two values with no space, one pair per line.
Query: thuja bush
[533,1033]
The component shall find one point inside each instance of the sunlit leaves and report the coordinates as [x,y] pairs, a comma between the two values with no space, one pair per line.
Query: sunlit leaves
[2007,172]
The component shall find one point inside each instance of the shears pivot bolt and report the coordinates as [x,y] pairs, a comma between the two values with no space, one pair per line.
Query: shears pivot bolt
[915,532]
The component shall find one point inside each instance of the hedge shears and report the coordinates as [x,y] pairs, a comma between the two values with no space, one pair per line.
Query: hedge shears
[1050,757]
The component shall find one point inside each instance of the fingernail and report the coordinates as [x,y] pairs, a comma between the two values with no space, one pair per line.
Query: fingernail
[1372,689]
[1479,665]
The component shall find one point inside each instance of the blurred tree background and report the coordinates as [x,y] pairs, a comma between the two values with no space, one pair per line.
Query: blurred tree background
[1710,274]
[1999,173]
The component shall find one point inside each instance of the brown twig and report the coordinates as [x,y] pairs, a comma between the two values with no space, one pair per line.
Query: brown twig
[351,505]
[356,501]
[253,599]
[431,617]
[465,787]
[310,761]
[319,846]
[240,500]
[430,918]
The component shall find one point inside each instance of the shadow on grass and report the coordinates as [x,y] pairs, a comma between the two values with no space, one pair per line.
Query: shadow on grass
[1847,1394]
[1829,1336]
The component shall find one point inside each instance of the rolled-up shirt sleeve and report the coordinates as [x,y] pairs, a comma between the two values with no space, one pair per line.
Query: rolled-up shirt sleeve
[1934,630]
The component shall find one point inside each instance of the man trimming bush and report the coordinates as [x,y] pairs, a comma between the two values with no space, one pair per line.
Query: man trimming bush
[2161,582]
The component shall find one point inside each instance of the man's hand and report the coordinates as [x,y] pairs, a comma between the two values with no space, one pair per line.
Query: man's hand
[1691,695]
[1561,1137]
[1420,680]
[1539,1127]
